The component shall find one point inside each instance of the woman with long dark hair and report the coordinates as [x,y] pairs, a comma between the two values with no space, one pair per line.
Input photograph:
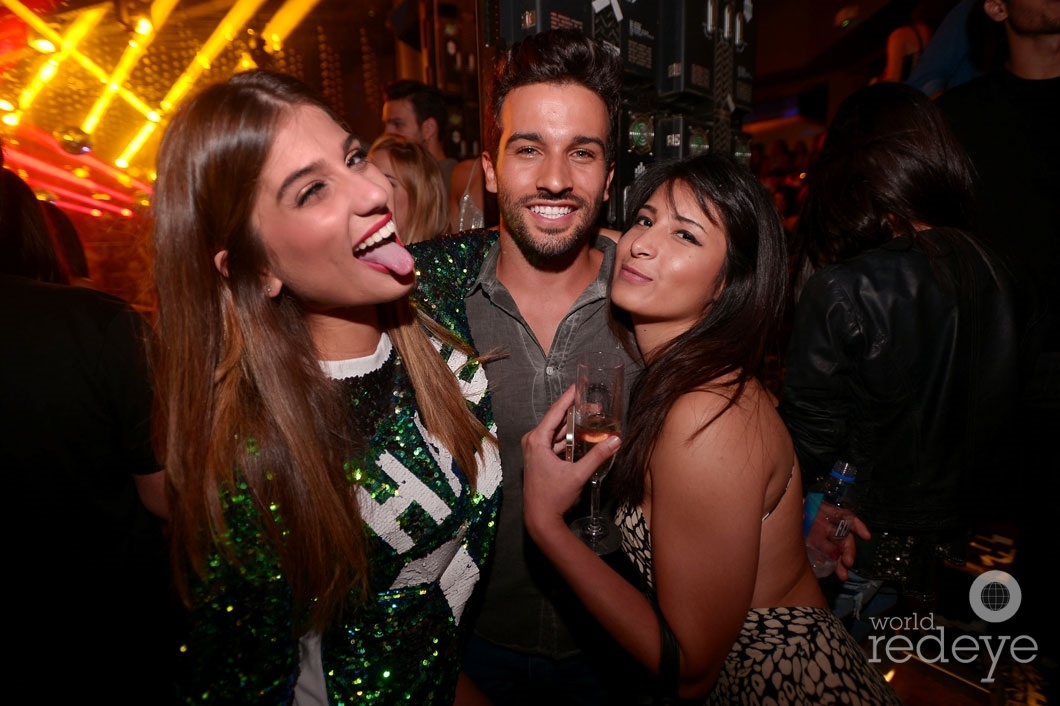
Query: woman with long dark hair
[707,482]
[906,342]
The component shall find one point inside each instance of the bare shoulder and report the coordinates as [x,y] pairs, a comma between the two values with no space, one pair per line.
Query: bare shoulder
[708,467]
[463,170]
[698,406]
[695,407]
[703,421]
[702,425]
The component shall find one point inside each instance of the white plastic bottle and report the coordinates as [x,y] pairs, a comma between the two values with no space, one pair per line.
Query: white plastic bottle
[828,523]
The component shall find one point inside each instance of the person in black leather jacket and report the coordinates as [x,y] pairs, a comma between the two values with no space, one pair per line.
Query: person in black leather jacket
[905,352]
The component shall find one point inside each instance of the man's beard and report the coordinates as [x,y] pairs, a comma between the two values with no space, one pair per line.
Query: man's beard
[1033,23]
[554,250]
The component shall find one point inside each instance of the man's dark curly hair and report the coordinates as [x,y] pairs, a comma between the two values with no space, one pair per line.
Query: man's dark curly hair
[427,101]
[559,56]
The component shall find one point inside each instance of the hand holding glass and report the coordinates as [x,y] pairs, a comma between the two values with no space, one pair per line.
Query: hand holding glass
[597,415]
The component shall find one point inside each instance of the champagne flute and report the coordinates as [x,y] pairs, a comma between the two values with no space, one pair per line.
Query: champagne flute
[597,415]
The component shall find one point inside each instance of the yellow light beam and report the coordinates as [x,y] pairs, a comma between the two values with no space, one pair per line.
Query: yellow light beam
[134,146]
[285,20]
[67,44]
[27,16]
[222,35]
[138,45]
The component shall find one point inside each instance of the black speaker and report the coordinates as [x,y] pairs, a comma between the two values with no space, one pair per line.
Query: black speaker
[630,27]
[678,136]
[634,149]
[521,18]
[745,32]
[688,29]
[741,148]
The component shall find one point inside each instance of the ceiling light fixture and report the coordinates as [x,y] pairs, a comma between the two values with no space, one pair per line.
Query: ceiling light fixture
[289,16]
[73,140]
[31,19]
[129,58]
[236,18]
[34,134]
[79,28]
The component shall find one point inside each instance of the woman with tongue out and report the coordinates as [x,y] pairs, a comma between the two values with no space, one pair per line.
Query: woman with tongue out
[332,475]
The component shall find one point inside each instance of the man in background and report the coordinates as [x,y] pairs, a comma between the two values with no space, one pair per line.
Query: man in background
[1007,121]
[416,111]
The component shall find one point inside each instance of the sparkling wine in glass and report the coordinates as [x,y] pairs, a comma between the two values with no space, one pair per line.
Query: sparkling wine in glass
[599,396]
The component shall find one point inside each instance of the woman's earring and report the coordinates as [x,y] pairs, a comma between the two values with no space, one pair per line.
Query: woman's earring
[268,291]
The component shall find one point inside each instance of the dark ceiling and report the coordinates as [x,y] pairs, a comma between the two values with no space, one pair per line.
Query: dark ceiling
[801,42]
[345,47]
[98,166]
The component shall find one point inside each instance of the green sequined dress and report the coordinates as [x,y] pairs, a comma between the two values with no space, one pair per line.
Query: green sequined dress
[430,534]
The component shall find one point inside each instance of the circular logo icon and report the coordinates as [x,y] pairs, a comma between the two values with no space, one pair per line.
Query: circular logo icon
[995,596]
[641,133]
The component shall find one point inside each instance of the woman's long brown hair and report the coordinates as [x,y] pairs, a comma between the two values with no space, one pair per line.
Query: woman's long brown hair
[241,397]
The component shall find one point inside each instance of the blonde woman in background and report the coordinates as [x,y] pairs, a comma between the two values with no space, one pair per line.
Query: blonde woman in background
[421,196]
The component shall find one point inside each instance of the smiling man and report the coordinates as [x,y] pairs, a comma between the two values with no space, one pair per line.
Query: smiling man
[535,291]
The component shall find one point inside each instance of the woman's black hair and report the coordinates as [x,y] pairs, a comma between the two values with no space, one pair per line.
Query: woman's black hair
[730,340]
[889,165]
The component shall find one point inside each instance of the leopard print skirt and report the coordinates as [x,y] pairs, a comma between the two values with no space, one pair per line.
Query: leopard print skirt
[792,656]
[789,656]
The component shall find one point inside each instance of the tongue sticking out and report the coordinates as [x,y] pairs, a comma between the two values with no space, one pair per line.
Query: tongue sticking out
[391,256]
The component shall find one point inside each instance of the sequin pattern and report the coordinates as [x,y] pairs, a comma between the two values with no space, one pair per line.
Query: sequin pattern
[453,263]
[430,533]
